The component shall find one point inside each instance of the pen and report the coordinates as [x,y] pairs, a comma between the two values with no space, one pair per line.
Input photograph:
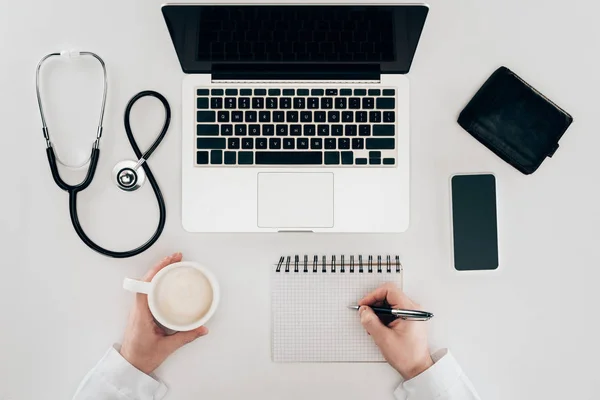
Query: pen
[409,315]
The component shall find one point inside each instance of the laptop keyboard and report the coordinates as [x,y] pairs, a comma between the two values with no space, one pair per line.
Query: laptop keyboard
[292,127]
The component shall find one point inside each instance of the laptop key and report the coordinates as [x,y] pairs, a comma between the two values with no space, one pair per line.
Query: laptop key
[347,158]
[245,92]
[226,130]
[288,92]
[337,130]
[389,92]
[216,103]
[375,161]
[354,103]
[323,130]
[281,130]
[278,116]
[202,157]
[216,92]
[237,116]
[340,103]
[216,157]
[310,130]
[288,143]
[210,143]
[347,116]
[223,116]
[320,116]
[274,92]
[302,143]
[360,92]
[231,92]
[361,116]
[240,130]
[305,116]
[296,130]
[285,102]
[386,103]
[289,157]
[384,144]
[317,92]
[254,130]
[358,143]
[264,116]
[245,157]
[202,103]
[331,92]
[233,143]
[326,103]
[332,157]
[374,154]
[368,103]
[302,92]
[389,161]
[384,130]
[364,130]
[361,161]
[312,102]
[261,143]
[345,92]
[389,116]
[333,116]
[375,116]
[258,102]
[247,143]
[268,130]
[230,102]
[271,102]
[350,130]
[207,130]
[374,92]
[330,144]
[299,103]
[229,157]
[260,92]
[316,143]
[244,102]
[251,116]
[275,143]
[344,144]
[291,116]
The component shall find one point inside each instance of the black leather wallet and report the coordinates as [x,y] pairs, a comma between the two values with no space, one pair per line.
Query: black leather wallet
[515,121]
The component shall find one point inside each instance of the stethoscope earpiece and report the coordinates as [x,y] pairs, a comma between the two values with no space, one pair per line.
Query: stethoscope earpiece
[128,175]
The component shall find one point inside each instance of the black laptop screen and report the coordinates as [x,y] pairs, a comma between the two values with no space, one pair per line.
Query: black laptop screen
[208,38]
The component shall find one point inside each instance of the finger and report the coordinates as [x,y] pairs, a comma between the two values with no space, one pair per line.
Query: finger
[173,258]
[373,325]
[390,293]
[182,338]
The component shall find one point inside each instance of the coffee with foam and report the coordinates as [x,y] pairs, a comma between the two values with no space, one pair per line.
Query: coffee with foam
[183,296]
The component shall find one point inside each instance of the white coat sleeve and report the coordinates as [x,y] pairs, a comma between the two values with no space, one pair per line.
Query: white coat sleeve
[113,378]
[445,380]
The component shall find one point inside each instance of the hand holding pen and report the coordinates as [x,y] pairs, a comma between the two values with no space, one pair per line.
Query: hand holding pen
[403,343]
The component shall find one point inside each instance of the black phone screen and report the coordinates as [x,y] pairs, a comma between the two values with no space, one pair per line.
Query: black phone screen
[474,222]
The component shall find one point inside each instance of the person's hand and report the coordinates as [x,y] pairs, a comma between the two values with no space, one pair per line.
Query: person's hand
[402,343]
[145,344]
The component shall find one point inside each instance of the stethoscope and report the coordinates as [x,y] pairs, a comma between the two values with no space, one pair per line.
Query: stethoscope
[127,174]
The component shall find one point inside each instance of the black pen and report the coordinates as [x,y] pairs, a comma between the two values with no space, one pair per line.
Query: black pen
[409,315]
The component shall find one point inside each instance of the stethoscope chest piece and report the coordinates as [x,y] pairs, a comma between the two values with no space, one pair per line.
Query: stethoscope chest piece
[128,175]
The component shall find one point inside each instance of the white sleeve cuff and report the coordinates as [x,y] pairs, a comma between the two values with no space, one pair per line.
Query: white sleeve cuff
[115,378]
[433,382]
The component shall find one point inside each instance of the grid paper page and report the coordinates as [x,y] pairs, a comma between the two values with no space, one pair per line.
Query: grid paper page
[310,318]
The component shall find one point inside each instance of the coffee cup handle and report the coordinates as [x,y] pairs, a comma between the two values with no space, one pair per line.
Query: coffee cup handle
[133,285]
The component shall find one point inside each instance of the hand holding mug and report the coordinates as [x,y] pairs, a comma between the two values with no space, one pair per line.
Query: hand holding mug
[145,344]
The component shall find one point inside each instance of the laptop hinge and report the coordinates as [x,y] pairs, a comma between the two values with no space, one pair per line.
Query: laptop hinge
[296,72]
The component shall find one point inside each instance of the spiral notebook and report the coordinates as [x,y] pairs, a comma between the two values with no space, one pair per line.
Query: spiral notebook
[309,299]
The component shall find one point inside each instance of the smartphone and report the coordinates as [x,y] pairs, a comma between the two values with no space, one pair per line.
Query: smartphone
[474,222]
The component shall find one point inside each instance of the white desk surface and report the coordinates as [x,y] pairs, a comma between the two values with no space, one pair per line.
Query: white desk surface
[528,330]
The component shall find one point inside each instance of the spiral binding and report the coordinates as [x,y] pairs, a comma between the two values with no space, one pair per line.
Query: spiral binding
[340,265]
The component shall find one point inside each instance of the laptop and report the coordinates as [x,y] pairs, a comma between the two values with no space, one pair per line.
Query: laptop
[295,117]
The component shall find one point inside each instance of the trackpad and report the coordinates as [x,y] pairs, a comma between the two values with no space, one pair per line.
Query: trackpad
[295,200]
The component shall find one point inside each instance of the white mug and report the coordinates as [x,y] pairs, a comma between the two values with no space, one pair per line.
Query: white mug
[149,288]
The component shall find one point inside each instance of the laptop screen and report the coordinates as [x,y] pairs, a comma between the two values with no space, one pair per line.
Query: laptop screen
[209,38]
